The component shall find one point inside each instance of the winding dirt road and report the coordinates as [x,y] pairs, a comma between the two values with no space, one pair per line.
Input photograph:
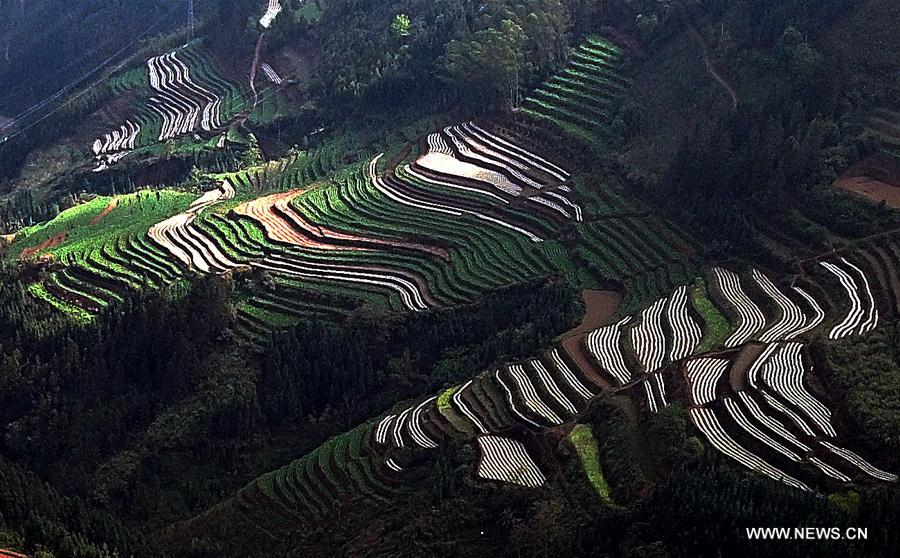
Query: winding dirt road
[704,51]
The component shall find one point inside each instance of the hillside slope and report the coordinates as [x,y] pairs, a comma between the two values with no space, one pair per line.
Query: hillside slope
[309,282]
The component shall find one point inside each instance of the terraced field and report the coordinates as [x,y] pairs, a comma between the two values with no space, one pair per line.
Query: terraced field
[643,256]
[465,210]
[479,205]
[441,229]
[582,100]
[272,10]
[752,397]
[179,93]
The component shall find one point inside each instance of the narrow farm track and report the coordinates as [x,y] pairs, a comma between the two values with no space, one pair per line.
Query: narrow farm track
[713,72]
[51,242]
[113,203]
[838,250]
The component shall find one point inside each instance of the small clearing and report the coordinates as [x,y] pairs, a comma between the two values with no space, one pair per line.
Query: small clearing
[877,179]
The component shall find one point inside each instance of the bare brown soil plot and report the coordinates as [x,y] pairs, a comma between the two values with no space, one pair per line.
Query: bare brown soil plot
[742,364]
[876,179]
[54,240]
[578,353]
[601,306]
[284,224]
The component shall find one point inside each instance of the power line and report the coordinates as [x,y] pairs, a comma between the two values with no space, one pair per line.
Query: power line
[191,20]
[73,84]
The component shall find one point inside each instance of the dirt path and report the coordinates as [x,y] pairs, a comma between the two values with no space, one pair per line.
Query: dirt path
[253,68]
[113,203]
[55,240]
[704,51]
[838,249]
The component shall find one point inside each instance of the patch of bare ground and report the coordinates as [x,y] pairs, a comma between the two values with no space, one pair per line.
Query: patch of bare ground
[622,38]
[54,240]
[296,62]
[742,364]
[600,307]
[574,347]
[877,179]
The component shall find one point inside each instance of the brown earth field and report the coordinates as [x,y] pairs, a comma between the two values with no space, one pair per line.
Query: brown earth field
[601,307]
[877,179]
[742,364]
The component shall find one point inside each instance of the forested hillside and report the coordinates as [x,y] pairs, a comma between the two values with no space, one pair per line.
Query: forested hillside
[406,277]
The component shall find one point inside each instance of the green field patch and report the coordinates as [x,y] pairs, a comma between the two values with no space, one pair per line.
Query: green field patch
[717,328]
[582,439]
[38,291]
[135,213]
